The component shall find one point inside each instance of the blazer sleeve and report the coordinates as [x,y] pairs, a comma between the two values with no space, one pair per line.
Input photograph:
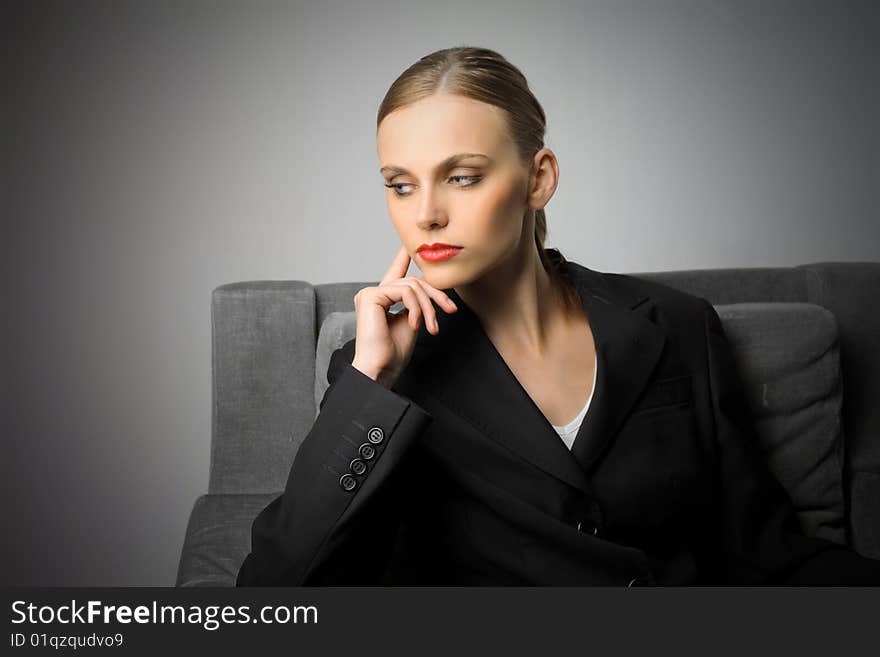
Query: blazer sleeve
[763,542]
[332,526]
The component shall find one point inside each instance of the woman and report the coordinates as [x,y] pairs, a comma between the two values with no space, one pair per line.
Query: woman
[553,425]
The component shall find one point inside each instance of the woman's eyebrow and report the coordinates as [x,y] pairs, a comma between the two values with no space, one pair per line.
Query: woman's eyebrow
[445,164]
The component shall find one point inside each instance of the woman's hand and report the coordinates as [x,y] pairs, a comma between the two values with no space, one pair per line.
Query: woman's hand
[385,341]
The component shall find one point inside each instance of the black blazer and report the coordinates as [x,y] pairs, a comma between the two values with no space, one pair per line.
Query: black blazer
[455,477]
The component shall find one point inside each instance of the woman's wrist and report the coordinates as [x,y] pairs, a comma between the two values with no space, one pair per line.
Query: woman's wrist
[371,372]
[377,374]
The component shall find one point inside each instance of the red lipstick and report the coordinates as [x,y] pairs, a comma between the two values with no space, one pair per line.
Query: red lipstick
[438,251]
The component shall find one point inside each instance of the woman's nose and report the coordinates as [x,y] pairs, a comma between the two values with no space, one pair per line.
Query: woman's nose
[428,223]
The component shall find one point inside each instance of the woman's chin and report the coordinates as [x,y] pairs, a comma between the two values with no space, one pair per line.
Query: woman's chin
[441,281]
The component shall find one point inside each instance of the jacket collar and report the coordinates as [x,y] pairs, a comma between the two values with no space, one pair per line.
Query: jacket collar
[628,346]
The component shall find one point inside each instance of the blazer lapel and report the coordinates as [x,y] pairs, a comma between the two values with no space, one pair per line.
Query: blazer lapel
[476,383]
[628,347]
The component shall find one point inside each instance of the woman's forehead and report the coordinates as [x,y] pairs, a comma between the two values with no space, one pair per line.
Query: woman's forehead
[423,136]
[450,118]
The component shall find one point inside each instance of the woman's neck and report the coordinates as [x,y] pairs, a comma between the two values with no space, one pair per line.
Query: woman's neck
[518,304]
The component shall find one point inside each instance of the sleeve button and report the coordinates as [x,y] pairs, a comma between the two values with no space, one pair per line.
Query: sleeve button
[375,435]
[358,467]
[347,482]
[588,528]
[367,451]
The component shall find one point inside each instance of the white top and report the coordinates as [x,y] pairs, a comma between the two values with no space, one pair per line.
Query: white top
[569,431]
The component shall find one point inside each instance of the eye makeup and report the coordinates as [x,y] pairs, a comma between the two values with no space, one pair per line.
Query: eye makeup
[473,181]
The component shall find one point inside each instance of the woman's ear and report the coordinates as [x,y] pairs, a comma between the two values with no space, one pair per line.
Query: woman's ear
[543,178]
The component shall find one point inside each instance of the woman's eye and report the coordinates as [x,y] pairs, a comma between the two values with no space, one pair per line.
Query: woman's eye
[396,187]
[473,181]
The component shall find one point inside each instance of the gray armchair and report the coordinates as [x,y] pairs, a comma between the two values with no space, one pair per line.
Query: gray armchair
[806,338]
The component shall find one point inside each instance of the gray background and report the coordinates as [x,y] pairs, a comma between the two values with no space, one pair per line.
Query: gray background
[155,152]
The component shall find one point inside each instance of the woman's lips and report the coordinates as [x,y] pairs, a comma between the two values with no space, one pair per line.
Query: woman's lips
[437,255]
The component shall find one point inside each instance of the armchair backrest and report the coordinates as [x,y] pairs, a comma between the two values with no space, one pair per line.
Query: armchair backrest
[264,338]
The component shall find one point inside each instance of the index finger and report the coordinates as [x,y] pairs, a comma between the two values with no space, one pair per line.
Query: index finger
[399,266]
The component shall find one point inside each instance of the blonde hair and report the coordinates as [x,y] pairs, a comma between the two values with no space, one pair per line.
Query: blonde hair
[485,75]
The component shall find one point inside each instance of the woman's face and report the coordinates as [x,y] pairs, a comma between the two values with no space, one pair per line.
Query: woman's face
[479,202]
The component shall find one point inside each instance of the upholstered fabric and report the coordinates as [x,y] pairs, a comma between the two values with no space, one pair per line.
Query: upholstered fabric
[264,372]
[218,538]
[789,360]
[337,329]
